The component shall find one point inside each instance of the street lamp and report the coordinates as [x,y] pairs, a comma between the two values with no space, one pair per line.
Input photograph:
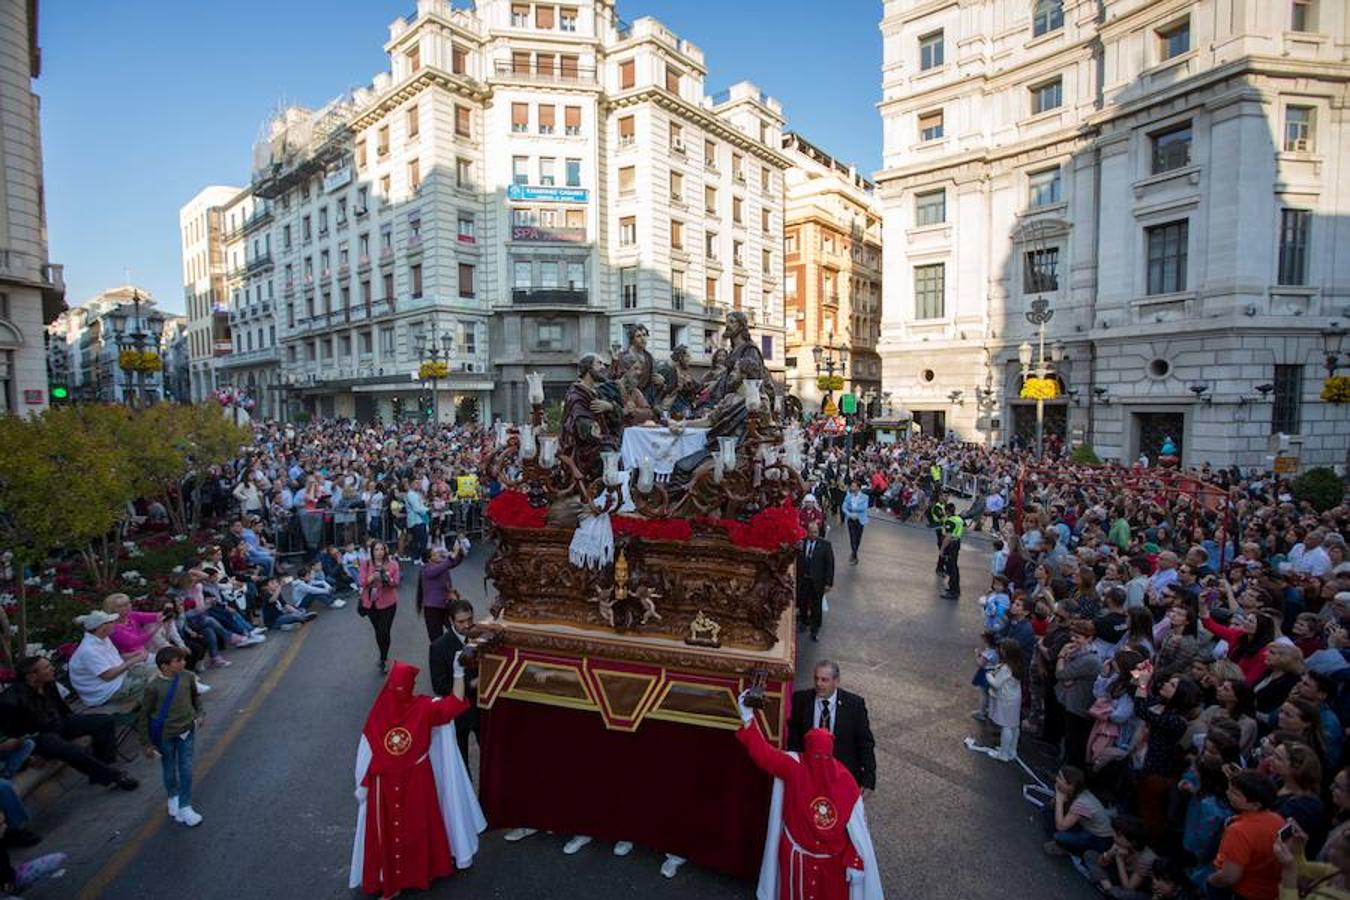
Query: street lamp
[1331,346]
[827,357]
[136,341]
[1039,315]
[434,355]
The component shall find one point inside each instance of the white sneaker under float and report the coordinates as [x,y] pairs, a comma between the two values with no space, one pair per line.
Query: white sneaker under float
[189,816]
[576,843]
[623,848]
[519,834]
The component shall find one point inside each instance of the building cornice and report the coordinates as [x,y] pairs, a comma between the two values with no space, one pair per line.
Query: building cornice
[427,77]
[709,122]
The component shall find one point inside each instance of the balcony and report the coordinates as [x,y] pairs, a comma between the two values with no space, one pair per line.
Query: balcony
[257,220]
[344,270]
[551,75]
[259,262]
[362,263]
[550,296]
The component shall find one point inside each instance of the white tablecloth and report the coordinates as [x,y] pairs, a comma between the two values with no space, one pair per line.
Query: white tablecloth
[664,448]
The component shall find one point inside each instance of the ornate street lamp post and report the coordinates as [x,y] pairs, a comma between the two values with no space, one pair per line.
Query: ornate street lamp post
[434,355]
[1039,315]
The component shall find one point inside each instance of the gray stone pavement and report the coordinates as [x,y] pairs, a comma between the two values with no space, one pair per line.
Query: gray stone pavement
[275,767]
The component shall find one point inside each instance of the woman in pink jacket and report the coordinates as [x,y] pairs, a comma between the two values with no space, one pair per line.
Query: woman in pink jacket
[134,629]
[379,577]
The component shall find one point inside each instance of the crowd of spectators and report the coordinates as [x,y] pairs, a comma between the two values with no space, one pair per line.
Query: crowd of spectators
[1177,642]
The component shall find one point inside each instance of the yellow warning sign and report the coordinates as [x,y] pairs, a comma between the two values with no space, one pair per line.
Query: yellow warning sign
[831,408]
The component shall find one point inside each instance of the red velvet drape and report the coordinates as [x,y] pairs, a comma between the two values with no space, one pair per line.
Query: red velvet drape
[679,789]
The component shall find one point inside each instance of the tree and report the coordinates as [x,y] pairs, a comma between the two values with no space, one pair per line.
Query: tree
[1321,487]
[62,484]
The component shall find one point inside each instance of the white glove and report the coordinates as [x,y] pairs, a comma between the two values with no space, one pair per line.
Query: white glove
[456,669]
[853,874]
[747,714]
[360,794]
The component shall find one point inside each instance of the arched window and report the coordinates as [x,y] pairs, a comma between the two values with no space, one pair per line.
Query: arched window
[1047,16]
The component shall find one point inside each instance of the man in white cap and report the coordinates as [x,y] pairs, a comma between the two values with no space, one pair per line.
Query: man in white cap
[99,672]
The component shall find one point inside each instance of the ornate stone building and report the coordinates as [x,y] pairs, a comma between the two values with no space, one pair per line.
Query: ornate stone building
[1168,177]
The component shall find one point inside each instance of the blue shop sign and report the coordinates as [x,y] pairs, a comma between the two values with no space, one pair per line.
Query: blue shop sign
[547,194]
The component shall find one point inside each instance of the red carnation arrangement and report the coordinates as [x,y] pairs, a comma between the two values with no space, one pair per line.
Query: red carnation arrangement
[512,509]
[653,529]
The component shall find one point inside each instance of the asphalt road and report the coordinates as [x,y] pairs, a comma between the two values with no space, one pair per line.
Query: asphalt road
[279,812]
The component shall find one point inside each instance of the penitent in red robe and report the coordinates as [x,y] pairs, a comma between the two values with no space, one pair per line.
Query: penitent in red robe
[819,826]
[405,841]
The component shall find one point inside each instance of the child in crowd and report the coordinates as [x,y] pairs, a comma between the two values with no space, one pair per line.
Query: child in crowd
[171,710]
[1005,698]
[351,562]
[995,605]
[1124,871]
[986,657]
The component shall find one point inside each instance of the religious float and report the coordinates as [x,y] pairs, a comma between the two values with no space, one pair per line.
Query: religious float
[642,580]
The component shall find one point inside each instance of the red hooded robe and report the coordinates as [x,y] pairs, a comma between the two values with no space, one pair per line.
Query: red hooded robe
[814,850]
[405,841]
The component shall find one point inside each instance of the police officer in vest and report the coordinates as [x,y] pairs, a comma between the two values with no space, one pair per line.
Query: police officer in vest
[937,512]
[953,527]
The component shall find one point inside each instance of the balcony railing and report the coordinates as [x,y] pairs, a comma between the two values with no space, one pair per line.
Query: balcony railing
[550,75]
[261,261]
[257,219]
[550,296]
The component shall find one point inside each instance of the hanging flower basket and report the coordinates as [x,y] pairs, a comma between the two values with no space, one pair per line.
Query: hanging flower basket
[1336,389]
[433,370]
[139,361]
[1039,389]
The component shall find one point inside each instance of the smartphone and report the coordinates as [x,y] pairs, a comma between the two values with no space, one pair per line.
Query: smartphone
[1286,833]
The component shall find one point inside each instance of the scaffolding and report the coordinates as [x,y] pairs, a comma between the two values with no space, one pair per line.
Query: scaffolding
[301,143]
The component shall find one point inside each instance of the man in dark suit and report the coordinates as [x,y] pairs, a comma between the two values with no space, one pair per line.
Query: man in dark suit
[841,713]
[815,577]
[442,658]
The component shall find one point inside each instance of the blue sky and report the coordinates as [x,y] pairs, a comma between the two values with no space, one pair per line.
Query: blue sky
[144,102]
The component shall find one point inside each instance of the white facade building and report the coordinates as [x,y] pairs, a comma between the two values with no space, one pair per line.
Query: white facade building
[84,346]
[252,361]
[1169,177]
[202,239]
[526,183]
[32,290]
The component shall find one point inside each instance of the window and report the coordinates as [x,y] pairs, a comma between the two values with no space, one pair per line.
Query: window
[1294,227]
[547,173]
[467,232]
[520,118]
[930,51]
[929,287]
[677,334]
[567,19]
[628,287]
[546,118]
[1042,271]
[930,125]
[466,280]
[710,245]
[1172,148]
[627,179]
[382,141]
[387,282]
[673,79]
[387,341]
[414,174]
[627,74]
[1286,412]
[765,221]
[710,200]
[345,345]
[1174,40]
[550,336]
[1302,16]
[470,338]
[790,243]
[1047,16]
[412,122]
[1167,257]
[520,15]
[737,294]
[627,231]
[676,138]
[710,290]
[520,63]
[676,186]
[676,235]
[463,173]
[766,345]
[576,276]
[765,260]
[459,61]
[737,210]
[361,153]
[572,120]
[573,173]
[710,155]
[543,17]
[367,343]
[384,187]
[520,170]
[676,289]
[1298,129]
[627,131]
[1043,188]
[930,208]
[521,277]
[737,168]
[305,228]
[462,126]
[1047,96]
[286,237]
[548,275]
[738,253]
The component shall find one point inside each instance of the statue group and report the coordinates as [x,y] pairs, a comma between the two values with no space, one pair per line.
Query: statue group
[634,391]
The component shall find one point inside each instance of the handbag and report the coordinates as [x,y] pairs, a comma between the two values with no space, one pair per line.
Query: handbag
[1104,733]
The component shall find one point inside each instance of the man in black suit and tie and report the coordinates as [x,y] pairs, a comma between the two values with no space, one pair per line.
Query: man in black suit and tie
[442,658]
[841,713]
[815,577]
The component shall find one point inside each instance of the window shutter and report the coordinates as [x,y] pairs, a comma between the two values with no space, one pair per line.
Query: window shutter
[627,74]
[543,17]
[546,116]
[572,117]
[627,127]
[520,114]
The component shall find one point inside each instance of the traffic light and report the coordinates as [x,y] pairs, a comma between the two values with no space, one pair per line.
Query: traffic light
[60,393]
[848,426]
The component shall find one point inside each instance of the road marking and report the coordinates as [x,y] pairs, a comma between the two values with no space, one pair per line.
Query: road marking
[114,867]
